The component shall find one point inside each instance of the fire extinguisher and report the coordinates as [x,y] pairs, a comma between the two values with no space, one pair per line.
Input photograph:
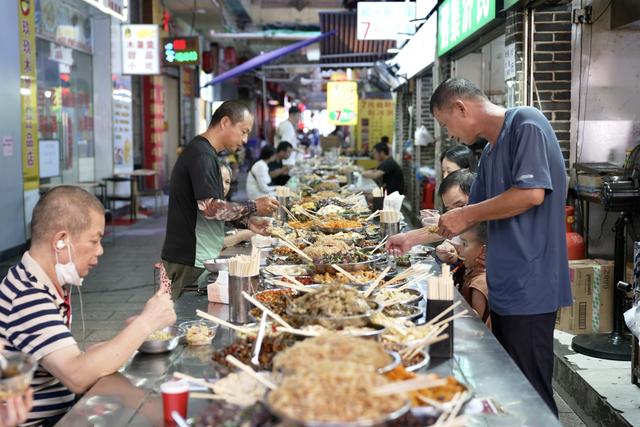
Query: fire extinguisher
[575,242]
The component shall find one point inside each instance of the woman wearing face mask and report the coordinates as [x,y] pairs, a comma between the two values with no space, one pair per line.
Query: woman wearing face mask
[473,286]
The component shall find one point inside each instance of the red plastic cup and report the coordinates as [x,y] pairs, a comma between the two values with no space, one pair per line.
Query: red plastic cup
[175,396]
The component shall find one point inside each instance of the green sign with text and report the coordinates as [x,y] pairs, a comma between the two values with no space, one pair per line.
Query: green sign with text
[459,19]
[509,3]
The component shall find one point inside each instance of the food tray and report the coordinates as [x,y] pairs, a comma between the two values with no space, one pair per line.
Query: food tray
[417,313]
[361,423]
[447,406]
[334,230]
[357,266]
[333,322]
[420,365]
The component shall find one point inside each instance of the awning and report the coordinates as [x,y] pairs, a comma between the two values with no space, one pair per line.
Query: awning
[264,58]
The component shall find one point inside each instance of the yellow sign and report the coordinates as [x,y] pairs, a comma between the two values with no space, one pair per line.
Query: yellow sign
[29,93]
[342,103]
[375,120]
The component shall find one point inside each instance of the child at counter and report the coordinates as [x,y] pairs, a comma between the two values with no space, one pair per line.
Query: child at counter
[473,285]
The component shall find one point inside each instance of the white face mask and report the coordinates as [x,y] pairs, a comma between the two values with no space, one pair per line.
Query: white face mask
[67,274]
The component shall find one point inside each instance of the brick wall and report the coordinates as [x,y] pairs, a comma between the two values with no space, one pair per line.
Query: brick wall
[552,70]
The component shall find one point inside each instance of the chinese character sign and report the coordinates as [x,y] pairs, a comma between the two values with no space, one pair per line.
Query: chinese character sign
[376,119]
[29,94]
[342,103]
[140,49]
[458,19]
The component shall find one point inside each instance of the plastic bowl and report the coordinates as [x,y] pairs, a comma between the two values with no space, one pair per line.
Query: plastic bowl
[21,368]
[163,346]
[212,328]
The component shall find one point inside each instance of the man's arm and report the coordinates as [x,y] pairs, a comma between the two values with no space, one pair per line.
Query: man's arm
[373,174]
[512,202]
[221,210]
[79,371]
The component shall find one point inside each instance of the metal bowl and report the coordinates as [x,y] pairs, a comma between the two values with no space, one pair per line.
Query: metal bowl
[447,406]
[216,265]
[163,346]
[333,323]
[334,230]
[414,313]
[423,364]
[415,299]
[356,266]
[396,360]
[383,420]
[17,376]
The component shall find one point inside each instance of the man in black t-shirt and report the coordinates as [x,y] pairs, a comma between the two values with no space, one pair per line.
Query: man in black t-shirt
[388,170]
[280,174]
[197,209]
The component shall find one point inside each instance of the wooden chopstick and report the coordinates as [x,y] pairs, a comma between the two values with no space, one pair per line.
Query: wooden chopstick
[295,249]
[297,332]
[444,312]
[417,383]
[193,380]
[205,396]
[373,215]
[449,319]
[376,282]
[247,369]
[292,279]
[262,307]
[345,273]
[290,286]
[382,242]
[219,321]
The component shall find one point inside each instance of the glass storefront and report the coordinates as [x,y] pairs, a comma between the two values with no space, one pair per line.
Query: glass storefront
[65,92]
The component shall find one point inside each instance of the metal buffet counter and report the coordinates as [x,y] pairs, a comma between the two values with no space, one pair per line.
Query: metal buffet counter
[131,397]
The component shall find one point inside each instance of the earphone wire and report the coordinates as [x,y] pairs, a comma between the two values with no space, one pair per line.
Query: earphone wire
[84,332]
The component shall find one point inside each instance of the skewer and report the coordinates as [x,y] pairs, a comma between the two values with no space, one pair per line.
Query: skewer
[414,281]
[408,272]
[247,369]
[224,323]
[261,331]
[425,343]
[289,213]
[205,396]
[346,273]
[292,279]
[262,307]
[300,332]
[376,282]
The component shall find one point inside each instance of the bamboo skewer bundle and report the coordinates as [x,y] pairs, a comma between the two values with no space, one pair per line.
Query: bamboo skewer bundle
[377,192]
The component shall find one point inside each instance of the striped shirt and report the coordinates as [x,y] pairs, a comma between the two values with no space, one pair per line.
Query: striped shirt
[34,319]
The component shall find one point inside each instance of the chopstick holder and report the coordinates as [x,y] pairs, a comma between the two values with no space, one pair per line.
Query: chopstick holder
[442,349]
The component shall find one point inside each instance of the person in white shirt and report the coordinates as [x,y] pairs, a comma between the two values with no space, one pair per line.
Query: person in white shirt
[258,178]
[286,131]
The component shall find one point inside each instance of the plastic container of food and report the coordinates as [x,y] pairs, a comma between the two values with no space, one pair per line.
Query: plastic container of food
[18,375]
[199,332]
[162,344]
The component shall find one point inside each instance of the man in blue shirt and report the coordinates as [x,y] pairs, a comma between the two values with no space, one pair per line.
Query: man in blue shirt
[520,190]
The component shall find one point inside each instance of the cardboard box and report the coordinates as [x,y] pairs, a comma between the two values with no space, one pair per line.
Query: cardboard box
[592,288]
[576,319]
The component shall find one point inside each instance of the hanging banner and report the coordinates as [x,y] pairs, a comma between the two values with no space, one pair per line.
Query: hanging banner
[386,20]
[28,94]
[342,103]
[140,49]
[375,120]
[122,125]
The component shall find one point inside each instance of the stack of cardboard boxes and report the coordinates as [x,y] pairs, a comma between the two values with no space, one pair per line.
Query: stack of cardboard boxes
[592,289]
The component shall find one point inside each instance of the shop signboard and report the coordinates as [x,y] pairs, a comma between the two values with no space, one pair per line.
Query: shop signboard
[509,3]
[64,24]
[385,20]
[28,94]
[114,8]
[342,103]
[181,51]
[140,49]
[459,19]
[375,120]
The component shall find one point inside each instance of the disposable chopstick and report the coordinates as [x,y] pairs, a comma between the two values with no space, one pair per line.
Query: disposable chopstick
[300,332]
[289,213]
[205,396]
[414,281]
[262,307]
[247,369]
[439,406]
[444,312]
[189,378]
[382,242]
[345,273]
[290,286]
[262,329]
[408,272]
[376,282]
[425,343]
[373,215]
[292,279]
[224,322]
[295,249]
[417,383]
[449,319]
